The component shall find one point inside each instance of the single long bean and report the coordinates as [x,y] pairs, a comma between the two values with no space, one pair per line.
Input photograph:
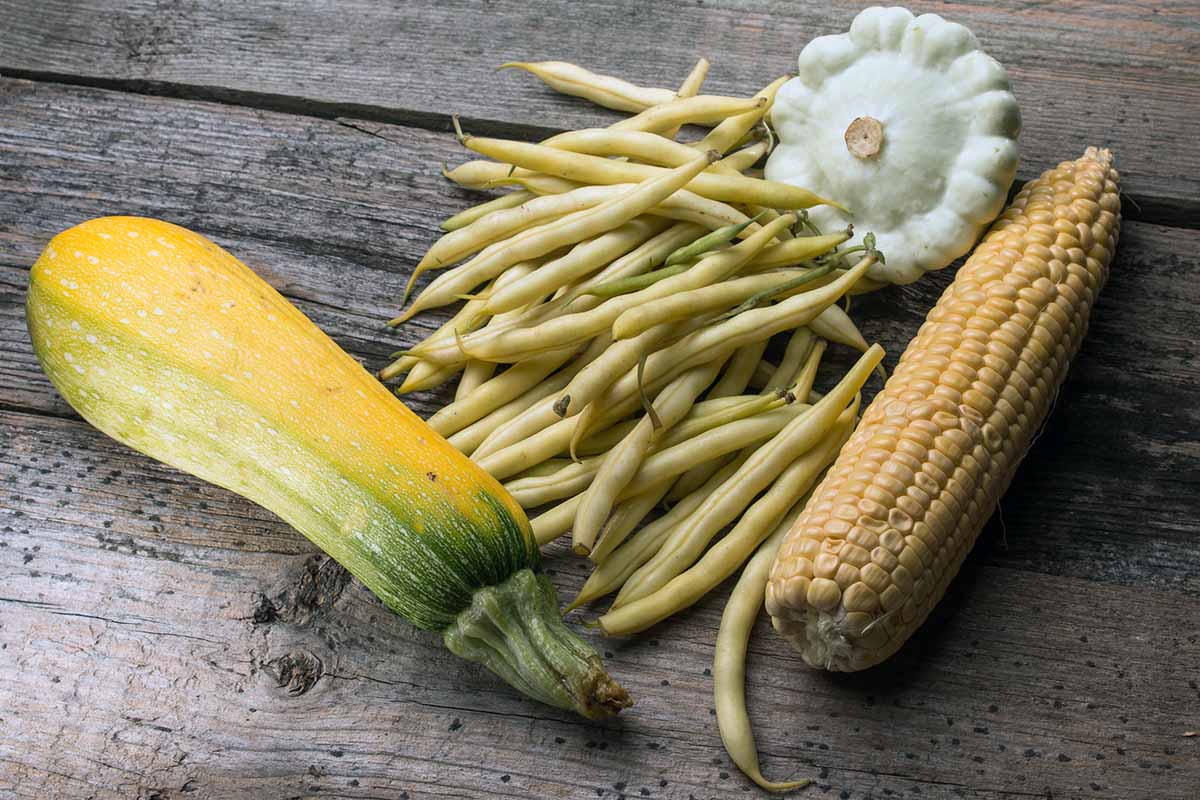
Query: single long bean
[734,128]
[650,148]
[796,251]
[703,109]
[802,383]
[475,212]
[741,160]
[690,88]
[603,90]
[800,343]
[729,660]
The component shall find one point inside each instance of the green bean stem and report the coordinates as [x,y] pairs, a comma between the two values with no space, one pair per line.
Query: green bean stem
[710,241]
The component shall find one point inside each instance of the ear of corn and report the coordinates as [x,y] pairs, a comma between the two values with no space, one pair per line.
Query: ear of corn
[900,509]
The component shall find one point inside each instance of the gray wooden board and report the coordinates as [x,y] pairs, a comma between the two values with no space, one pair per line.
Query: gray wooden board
[145,614]
[159,635]
[346,272]
[1123,74]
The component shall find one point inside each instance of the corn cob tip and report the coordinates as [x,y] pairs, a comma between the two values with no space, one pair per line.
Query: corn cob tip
[1101,155]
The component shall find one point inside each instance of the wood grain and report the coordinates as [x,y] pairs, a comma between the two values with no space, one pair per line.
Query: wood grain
[1123,74]
[163,637]
[342,254]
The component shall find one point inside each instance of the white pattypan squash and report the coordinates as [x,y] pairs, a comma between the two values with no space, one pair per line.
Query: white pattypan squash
[908,123]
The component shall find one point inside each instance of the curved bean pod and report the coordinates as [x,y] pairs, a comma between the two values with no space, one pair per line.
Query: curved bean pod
[729,661]
[602,90]
[703,109]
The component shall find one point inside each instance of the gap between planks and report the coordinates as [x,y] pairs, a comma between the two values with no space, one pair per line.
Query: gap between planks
[1171,212]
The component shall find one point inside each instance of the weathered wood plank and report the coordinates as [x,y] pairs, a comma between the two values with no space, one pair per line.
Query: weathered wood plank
[1122,74]
[149,645]
[1081,507]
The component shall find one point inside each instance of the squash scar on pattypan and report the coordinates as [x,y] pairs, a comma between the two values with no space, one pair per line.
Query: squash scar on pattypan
[907,122]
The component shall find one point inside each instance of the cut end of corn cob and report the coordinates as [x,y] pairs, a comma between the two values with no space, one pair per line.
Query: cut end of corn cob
[888,528]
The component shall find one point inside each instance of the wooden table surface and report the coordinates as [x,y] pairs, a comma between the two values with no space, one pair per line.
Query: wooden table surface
[160,638]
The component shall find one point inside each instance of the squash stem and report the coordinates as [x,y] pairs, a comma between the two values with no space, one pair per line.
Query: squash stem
[515,630]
